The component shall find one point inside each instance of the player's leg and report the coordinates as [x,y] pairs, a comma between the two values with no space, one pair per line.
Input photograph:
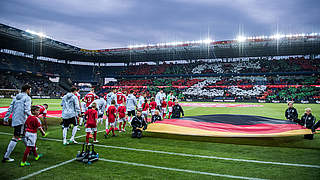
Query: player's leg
[25,156]
[163,113]
[45,124]
[65,124]
[139,134]
[134,134]
[12,144]
[170,112]
[74,130]
[120,124]
[95,135]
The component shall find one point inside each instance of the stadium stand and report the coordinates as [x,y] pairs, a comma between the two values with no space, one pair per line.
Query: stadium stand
[293,78]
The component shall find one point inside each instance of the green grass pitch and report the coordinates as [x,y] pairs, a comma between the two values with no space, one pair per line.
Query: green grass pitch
[295,150]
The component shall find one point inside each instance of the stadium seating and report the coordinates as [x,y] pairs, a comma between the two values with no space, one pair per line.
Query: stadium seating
[258,79]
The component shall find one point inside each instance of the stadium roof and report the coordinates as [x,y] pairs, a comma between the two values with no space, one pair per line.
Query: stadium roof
[278,45]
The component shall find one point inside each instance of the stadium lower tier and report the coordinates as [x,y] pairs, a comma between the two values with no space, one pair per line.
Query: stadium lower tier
[240,93]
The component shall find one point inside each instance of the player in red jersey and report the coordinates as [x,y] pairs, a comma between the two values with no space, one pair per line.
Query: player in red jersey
[145,108]
[170,105]
[122,117]
[164,107]
[32,125]
[112,114]
[120,98]
[90,97]
[91,125]
[43,112]
[153,106]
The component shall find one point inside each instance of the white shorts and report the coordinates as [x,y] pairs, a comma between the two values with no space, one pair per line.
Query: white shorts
[152,111]
[145,113]
[31,139]
[170,109]
[164,110]
[91,130]
[113,124]
[121,119]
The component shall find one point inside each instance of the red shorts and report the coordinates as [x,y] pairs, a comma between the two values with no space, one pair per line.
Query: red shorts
[91,125]
[111,120]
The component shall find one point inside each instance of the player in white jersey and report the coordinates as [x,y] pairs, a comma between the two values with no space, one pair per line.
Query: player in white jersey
[83,110]
[142,98]
[101,107]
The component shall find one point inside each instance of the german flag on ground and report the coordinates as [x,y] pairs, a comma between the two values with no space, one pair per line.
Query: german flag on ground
[229,125]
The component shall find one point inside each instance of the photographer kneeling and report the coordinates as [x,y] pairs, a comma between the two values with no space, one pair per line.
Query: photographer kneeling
[138,124]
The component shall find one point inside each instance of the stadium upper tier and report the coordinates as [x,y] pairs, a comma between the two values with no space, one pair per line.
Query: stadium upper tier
[83,73]
[279,45]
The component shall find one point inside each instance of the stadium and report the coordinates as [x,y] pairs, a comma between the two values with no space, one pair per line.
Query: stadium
[234,94]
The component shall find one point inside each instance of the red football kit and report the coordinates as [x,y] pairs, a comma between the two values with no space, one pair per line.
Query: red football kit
[92,116]
[111,112]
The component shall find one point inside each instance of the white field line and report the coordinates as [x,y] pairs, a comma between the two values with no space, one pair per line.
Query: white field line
[192,155]
[46,169]
[179,170]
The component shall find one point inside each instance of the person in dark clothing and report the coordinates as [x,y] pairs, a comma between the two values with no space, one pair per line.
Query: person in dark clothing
[291,113]
[138,124]
[315,126]
[177,110]
[308,120]
[156,117]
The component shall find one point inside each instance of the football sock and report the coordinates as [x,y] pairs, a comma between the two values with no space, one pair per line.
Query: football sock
[164,115]
[26,153]
[110,129]
[120,124]
[95,136]
[64,133]
[169,115]
[34,150]
[74,131]
[124,124]
[10,148]
[113,131]
[87,137]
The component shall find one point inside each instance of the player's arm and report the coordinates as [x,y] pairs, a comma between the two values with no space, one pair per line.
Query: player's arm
[9,112]
[27,106]
[42,131]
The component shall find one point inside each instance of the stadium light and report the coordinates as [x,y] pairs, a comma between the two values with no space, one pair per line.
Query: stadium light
[40,34]
[241,39]
[207,41]
[277,36]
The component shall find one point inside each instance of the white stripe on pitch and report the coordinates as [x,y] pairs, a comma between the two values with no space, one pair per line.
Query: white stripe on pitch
[46,169]
[193,155]
[209,157]
[179,170]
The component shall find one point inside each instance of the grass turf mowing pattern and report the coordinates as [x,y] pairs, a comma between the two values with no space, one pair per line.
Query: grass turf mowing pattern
[287,149]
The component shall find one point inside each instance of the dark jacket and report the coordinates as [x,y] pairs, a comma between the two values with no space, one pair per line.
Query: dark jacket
[138,122]
[177,111]
[307,121]
[155,118]
[291,113]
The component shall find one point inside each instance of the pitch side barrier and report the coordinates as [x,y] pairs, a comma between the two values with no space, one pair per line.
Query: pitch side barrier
[249,101]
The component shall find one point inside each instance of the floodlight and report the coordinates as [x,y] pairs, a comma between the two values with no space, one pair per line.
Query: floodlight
[207,41]
[241,38]
[40,34]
